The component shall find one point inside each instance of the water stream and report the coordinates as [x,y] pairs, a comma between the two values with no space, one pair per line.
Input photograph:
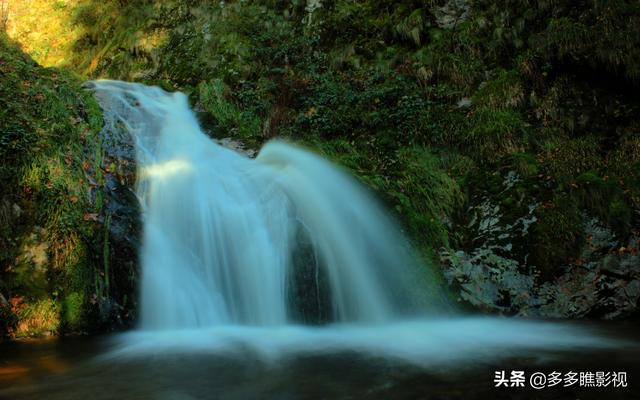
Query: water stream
[222,231]
[262,251]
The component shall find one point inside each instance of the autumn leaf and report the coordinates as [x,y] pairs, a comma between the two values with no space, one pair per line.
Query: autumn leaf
[91,217]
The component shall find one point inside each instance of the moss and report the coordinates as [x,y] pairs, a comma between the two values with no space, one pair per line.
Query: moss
[623,163]
[569,158]
[495,134]
[557,235]
[505,91]
[427,195]
[37,319]
[229,120]
[525,164]
[605,199]
[72,312]
[50,121]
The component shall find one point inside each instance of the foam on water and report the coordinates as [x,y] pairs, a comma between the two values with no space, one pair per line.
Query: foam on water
[426,342]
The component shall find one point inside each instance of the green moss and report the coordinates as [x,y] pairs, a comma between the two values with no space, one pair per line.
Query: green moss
[505,91]
[51,121]
[494,134]
[72,314]
[426,194]
[557,235]
[624,168]
[37,319]
[525,164]
[229,119]
[605,199]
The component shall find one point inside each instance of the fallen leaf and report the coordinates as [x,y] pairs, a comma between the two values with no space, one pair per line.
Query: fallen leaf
[91,217]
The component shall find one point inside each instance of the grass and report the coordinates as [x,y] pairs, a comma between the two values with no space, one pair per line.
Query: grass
[48,120]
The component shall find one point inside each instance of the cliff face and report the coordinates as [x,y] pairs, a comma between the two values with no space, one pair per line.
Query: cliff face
[504,137]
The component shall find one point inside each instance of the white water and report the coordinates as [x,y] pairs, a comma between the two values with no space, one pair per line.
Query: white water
[222,240]
[220,229]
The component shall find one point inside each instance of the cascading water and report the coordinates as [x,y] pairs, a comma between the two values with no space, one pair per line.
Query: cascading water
[221,230]
[241,250]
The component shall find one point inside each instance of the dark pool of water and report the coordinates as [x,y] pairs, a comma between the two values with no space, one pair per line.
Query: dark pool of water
[71,368]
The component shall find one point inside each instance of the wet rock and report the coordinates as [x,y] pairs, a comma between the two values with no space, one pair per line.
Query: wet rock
[493,268]
[236,145]
[117,239]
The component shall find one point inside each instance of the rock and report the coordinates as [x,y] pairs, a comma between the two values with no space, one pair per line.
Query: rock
[4,302]
[494,271]
[236,145]
[17,211]
[452,14]
[464,102]
[117,237]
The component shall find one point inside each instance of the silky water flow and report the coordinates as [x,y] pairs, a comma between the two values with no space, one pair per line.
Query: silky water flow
[285,253]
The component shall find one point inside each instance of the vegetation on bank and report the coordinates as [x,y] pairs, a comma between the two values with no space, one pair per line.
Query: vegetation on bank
[53,273]
[497,131]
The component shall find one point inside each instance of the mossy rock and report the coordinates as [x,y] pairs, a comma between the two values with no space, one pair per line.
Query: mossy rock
[606,199]
[49,147]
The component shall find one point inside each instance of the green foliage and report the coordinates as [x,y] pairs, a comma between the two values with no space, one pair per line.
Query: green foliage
[39,318]
[230,120]
[426,195]
[601,34]
[605,199]
[558,235]
[381,88]
[569,158]
[46,122]
[72,311]
[505,91]
[494,134]
[117,39]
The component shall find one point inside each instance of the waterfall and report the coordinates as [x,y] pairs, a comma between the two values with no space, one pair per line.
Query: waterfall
[286,237]
[240,253]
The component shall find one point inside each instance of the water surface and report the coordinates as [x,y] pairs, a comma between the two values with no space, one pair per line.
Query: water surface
[310,364]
